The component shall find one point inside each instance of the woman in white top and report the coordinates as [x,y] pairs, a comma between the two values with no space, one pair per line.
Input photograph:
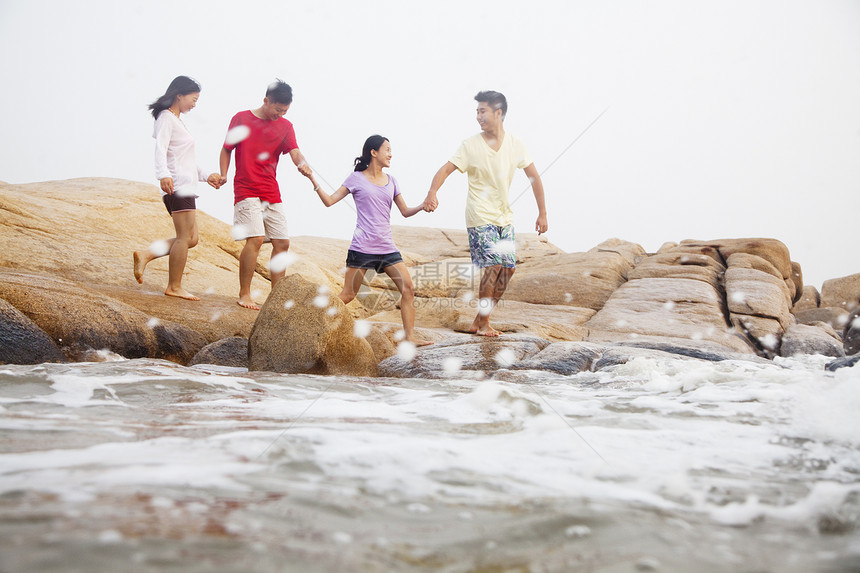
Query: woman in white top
[176,169]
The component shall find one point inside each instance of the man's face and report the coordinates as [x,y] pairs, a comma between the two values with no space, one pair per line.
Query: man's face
[488,118]
[273,110]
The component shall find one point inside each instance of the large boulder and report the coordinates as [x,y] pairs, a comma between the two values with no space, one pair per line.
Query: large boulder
[21,341]
[464,356]
[78,319]
[809,339]
[843,292]
[232,352]
[670,308]
[835,317]
[301,328]
[584,280]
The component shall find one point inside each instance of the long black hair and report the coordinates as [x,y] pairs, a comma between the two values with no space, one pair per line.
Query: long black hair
[181,85]
[373,143]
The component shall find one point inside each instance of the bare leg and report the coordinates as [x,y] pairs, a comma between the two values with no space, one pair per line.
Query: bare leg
[185,223]
[494,282]
[279,246]
[143,258]
[247,265]
[351,283]
[400,275]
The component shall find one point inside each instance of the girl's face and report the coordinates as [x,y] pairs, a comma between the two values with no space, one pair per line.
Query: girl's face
[187,102]
[383,155]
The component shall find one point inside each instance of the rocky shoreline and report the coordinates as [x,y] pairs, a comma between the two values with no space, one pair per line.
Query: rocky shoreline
[67,294]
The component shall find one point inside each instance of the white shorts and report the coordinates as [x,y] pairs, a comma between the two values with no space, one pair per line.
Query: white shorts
[253,217]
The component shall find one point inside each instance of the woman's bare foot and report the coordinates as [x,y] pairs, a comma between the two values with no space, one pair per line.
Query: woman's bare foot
[181,293]
[140,260]
[248,303]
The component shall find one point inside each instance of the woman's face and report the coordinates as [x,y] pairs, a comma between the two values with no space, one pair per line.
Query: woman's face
[187,102]
[383,154]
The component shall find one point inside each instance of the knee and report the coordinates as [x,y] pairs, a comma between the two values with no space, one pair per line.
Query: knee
[192,242]
[407,291]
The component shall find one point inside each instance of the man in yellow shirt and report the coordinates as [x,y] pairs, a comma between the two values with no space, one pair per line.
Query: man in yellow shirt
[490,159]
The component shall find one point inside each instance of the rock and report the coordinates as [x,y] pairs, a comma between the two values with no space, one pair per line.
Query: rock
[835,317]
[797,279]
[851,334]
[807,339]
[307,337]
[584,280]
[763,332]
[79,319]
[464,356]
[232,351]
[757,293]
[670,308]
[563,358]
[809,299]
[772,250]
[22,342]
[846,362]
[696,263]
[843,292]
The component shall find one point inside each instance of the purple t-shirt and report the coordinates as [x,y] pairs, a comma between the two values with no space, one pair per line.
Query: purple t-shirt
[373,205]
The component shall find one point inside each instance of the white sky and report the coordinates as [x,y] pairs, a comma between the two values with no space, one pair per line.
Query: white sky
[725,118]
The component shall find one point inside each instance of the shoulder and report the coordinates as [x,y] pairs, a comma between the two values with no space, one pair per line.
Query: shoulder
[353,180]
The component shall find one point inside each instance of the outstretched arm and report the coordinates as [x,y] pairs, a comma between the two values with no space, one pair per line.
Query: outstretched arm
[430,202]
[300,162]
[404,209]
[328,200]
[541,224]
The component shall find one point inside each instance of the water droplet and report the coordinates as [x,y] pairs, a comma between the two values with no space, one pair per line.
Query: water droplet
[738,297]
[361,328]
[289,304]
[568,297]
[153,322]
[452,365]
[240,232]
[669,305]
[280,262]
[321,301]
[505,357]
[399,335]
[406,351]
[237,134]
[263,156]
[485,306]
[159,248]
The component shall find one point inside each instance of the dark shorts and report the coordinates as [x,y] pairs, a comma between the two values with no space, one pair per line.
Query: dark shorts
[356,260]
[175,203]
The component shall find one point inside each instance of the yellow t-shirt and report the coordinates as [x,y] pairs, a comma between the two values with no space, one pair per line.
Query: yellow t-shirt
[490,176]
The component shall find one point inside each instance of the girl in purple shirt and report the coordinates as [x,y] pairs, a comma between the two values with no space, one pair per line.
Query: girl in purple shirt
[372,246]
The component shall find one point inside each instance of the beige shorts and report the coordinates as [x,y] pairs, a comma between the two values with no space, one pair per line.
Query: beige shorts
[253,217]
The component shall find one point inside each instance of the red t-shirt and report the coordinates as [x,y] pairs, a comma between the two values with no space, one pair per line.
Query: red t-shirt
[257,156]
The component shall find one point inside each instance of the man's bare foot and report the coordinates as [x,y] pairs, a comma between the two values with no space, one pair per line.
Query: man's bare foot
[139,265]
[181,293]
[248,303]
[486,331]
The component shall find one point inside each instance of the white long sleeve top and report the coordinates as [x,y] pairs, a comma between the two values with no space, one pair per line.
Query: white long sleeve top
[174,155]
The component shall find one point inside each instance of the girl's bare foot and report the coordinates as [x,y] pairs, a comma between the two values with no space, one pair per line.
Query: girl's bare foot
[486,331]
[140,261]
[419,342]
[181,293]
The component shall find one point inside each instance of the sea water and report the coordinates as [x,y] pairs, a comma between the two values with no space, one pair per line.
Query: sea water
[675,465]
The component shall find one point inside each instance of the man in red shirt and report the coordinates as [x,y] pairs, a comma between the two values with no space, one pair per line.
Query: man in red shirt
[259,137]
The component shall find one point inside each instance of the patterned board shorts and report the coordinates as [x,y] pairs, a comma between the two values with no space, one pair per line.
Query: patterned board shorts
[491,245]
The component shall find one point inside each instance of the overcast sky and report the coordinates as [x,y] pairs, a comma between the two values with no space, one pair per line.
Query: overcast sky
[722,119]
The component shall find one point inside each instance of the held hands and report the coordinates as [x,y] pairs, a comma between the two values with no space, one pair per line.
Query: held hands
[167,185]
[305,170]
[430,202]
[215,180]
